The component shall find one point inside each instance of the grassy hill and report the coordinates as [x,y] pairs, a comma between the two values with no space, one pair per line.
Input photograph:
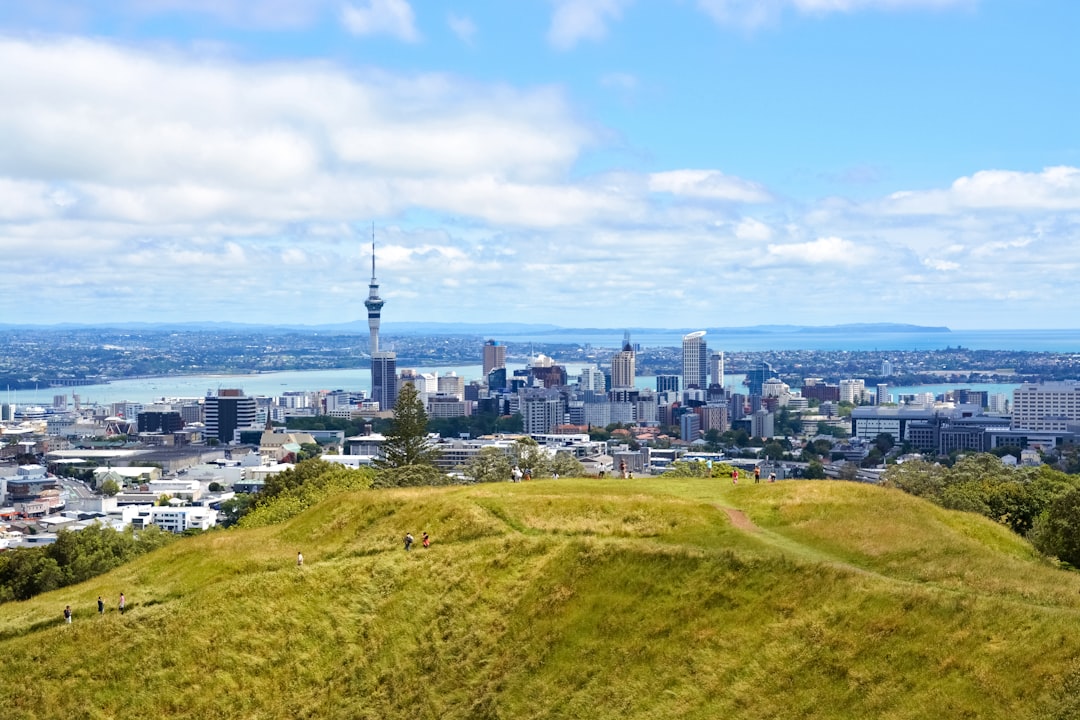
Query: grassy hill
[649,598]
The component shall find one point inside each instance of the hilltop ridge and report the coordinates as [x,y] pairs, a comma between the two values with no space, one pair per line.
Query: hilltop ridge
[569,598]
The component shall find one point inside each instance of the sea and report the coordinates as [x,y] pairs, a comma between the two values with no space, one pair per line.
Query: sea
[146,390]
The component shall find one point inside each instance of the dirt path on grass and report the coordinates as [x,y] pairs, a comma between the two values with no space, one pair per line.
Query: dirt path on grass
[738,519]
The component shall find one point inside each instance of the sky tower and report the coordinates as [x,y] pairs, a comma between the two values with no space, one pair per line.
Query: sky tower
[373,303]
[383,363]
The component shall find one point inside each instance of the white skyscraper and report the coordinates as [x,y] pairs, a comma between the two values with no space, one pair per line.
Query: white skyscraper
[623,365]
[694,360]
[716,368]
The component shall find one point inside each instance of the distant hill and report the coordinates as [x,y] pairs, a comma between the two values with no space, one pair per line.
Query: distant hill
[651,598]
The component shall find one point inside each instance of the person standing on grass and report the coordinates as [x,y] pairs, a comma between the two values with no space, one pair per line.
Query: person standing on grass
[299,559]
[100,606]
[426,541]
[735,476]
[67,614]
[757,473]
[408,541]
[123,603]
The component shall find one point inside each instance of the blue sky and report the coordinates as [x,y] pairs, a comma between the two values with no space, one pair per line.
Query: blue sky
[582,163]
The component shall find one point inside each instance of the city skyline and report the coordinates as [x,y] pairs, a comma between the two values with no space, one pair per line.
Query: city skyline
[905,161]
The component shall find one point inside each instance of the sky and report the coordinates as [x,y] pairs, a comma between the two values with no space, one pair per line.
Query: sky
[584,163]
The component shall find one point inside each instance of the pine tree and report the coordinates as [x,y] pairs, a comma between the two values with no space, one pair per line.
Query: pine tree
[406,442]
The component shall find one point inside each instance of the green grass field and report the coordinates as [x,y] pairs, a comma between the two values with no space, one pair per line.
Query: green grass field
[569,598]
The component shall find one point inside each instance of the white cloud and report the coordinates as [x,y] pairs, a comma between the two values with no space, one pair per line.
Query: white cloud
[1055,188]
[753,13]
[751,229]
[381,17]
[708,184]
[125,135]
[463,27]
[941,265]
[577,20]
[823,251]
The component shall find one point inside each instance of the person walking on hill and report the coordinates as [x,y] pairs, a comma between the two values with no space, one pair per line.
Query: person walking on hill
[299,559]
[123,603]
[516,474]
[735,476]
[67,614]
[757,473]
[408,541]
[100,606]
[426,541]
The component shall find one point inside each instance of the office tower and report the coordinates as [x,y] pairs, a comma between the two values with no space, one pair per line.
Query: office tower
[494,356]
[160,421]
[592,379]
[694,360]
[716,368]
[757,377]
[690,427]
[496,379]
[998,403]
[542,411]
[623,365]
[384,379]
[452,384]
[667,383]
[1046,406]
[851,391]
[228,411]
[886,368]
[882,394]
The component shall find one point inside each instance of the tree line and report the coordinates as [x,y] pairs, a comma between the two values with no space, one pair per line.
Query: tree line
[73,558]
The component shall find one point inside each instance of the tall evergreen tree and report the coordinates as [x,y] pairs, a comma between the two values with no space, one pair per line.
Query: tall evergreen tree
[406,443]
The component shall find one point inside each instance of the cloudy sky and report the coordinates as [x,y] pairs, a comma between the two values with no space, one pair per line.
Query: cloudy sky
[577,162]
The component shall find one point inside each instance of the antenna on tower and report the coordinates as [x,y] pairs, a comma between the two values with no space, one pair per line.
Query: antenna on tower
[373,250]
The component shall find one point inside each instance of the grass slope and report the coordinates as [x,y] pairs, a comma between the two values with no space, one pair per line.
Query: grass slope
[568,598]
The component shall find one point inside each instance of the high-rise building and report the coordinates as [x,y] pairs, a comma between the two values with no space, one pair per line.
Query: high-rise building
[228,411]
[623,366]
[694,360]
[494,356]
[851,391]
[542,411]
[384,379]
[667,383]
[882,397]
[452,384]
[1047,406]
[591,379]
[690,427]
[716,368]
[886,368]
[757,376]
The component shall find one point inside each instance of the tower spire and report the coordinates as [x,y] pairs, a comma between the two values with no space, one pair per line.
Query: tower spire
[374,303]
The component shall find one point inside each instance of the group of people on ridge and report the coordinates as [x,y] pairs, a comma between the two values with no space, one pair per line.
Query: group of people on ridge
[68,613]
[425,540]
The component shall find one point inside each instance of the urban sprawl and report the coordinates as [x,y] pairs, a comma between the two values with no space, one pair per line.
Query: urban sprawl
[174,461]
